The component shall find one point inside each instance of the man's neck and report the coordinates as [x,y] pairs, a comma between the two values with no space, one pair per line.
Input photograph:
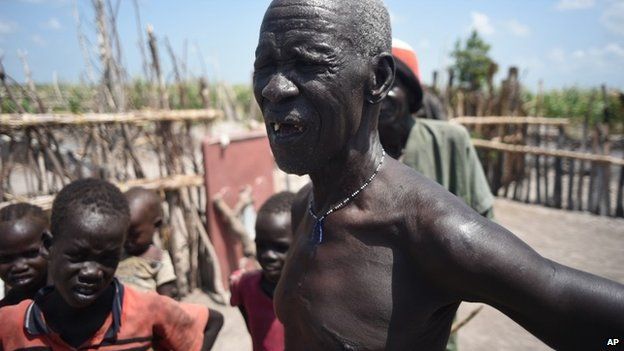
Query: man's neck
[345,173]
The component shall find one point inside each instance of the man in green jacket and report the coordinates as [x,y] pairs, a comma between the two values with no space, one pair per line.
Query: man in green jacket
[438,149]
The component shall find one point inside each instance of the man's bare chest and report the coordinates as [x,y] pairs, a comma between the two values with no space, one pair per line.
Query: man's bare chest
[355,290]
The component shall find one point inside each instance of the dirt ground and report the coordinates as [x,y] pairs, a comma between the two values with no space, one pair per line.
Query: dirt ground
[591,243]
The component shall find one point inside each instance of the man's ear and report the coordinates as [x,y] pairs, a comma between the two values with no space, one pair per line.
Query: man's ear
[382,78]
[46,240]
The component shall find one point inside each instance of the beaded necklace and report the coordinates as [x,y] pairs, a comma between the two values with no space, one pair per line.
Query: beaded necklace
[317,234]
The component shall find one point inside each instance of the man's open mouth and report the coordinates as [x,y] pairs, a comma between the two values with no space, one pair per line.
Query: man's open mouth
[287,129]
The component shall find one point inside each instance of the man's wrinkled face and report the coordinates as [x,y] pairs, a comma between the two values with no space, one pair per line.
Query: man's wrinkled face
[273,239]
[309,83]
[22,266]
[83,258]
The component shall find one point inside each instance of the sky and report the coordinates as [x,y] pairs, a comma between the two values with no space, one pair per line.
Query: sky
[563,43]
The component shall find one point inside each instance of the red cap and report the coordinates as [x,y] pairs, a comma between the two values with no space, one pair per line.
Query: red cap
[404,52]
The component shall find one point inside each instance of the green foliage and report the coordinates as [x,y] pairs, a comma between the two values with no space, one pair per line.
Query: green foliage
[243,95]
[78,98]
[472,62]
[577,103]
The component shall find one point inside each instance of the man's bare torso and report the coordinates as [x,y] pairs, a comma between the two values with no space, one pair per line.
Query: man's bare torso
[361,288]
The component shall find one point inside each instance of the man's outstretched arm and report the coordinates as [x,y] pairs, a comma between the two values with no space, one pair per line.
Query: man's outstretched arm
[564,307]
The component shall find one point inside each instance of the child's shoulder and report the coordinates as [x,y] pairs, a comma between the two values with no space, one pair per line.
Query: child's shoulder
[243,277]
[177,325]
[243,283]
[12,316]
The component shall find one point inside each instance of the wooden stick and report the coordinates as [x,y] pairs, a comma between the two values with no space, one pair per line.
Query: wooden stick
[23,120]
[570,205]
[168,183]
[579,189]
[458,325]
[506,120]
[619,207]
[539,151]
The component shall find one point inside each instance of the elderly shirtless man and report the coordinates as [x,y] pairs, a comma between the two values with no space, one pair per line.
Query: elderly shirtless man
[383,256]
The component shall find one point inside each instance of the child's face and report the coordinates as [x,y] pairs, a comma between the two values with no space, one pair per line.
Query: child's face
[21,264]
[83,258]
[273,238]
[144,222]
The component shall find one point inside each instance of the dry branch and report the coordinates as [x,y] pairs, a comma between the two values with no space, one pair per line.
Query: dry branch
[21,121]
[539,151]
[169,183]
[506,120]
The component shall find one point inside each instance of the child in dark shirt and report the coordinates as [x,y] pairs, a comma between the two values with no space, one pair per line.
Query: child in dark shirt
[87,308]
[253,291]
[22,267]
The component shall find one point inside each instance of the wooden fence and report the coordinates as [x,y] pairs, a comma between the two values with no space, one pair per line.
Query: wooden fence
[547,172]
[155,149]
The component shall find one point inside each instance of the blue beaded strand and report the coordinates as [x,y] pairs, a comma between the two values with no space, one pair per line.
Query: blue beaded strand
[318,226]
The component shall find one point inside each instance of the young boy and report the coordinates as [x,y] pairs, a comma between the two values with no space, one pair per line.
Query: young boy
[87,308]
[253,291]
[22,267]
[145,266]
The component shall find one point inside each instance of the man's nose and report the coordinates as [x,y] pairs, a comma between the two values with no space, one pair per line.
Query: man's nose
[279,88]
[90,273]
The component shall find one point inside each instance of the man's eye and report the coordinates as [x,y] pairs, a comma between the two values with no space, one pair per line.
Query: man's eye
[311,67]
[6,259]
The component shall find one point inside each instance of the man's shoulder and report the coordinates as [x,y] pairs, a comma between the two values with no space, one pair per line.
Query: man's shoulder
[429,211]
[406,185]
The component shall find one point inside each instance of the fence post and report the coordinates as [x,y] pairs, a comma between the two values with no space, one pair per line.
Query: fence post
[557,192]
[570,205]
[538,182]
[579,189]
[619,207]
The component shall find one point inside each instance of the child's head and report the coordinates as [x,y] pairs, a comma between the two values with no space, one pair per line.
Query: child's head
[274,234]
[22,266]
[145,219]
[89,222]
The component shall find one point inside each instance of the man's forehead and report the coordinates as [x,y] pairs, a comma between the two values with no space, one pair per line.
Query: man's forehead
[289,15]
[299,37]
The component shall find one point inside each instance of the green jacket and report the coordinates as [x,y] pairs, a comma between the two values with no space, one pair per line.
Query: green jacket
[442,151]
